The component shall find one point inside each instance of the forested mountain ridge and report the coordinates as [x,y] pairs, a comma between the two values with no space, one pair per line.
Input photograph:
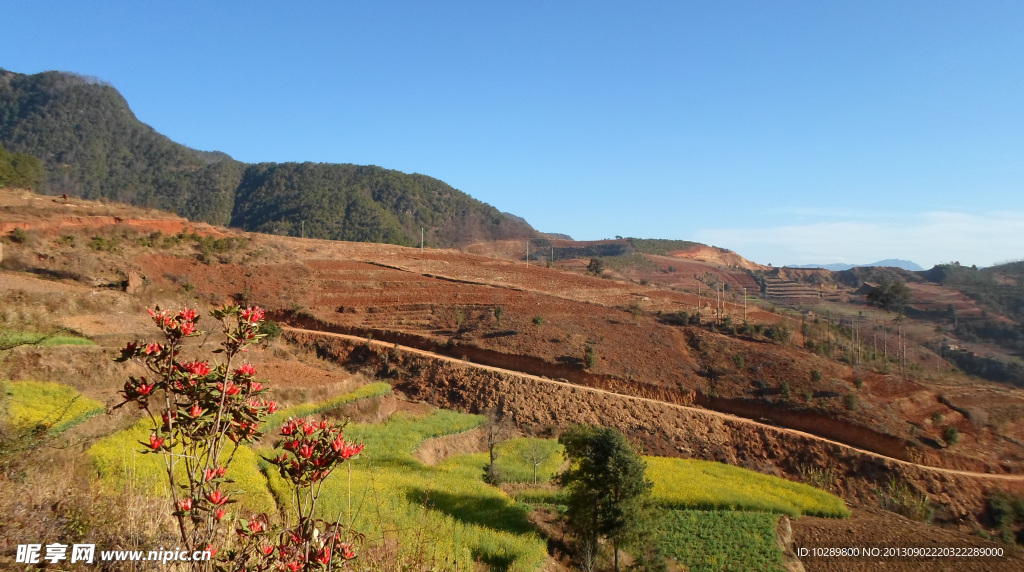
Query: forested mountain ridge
[93,146]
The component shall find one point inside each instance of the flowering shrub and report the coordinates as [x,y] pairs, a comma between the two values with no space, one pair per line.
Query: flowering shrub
[311,451]
[196,408]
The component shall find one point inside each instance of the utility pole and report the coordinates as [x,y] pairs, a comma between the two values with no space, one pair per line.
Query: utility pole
[421,240]
[828,333]
[874,342]
[698,296]
[527,253]
[303,229]
[899,345]
[718,303]
[744,304]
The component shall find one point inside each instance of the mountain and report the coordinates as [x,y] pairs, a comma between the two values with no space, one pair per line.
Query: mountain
[889,262]
[92,146]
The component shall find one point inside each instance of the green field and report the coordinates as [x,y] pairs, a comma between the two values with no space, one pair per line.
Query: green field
[274,422]
[446,516]
[56,406]
[433,517]
[706,485]
[120,464]
[11,338]
[714,541]
[516,457]
[693,484]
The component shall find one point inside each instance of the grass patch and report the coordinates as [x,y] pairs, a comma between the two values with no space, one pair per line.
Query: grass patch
[120,464]
[56,406]
[274,422]
[13,338]
[693,484]
[515,459]
[721,540]
[660,246]
[430,517]
[705,485]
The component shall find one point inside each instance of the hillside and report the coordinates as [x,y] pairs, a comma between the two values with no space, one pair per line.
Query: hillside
[818,397]
[92,146]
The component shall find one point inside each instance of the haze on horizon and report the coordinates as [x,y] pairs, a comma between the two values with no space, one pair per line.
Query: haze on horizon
[792,133]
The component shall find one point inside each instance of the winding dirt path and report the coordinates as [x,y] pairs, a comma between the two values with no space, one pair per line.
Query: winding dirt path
[709,412]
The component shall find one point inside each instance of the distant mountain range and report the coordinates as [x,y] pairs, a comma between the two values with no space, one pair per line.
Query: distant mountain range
[91,145]
[837,267]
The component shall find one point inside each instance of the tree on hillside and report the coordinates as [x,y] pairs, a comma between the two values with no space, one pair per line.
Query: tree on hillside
[20,170]
[596,266]
[606,488]
[497,429]
[892,295]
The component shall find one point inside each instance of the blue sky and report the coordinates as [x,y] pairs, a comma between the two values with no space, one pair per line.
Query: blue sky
[790,132]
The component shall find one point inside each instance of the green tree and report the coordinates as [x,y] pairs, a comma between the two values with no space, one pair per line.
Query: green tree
[20,170]
[589,357]
[951,435]
[606,490]
[596,266]
[892,295]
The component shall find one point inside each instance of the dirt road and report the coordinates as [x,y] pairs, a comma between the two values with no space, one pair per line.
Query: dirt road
[709,412]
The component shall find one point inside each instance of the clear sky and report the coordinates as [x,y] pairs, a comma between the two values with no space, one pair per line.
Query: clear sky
[790,132]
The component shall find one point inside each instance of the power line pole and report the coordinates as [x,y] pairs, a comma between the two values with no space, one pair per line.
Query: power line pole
[527,253]
[698,296]
[744,304]
[421,240]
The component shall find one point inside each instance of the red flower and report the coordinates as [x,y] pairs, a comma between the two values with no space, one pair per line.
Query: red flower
[351,451]
[154,349]
[271,406]
[347,552]
[267,549]
[197,367]
[306,451]
[211,550]
[168,417]
[325,555]
[256,386]
[308,428]
[253,314]
[195,410]
[293,566]
[186,505]
[246,369]
[145,388]
[188,328]
[256,525]
[217,498]
[231,389]
[219,513]
[187,314]
[155,442]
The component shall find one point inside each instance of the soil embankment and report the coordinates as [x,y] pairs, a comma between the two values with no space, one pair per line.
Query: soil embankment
[842,431]
[662,428]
